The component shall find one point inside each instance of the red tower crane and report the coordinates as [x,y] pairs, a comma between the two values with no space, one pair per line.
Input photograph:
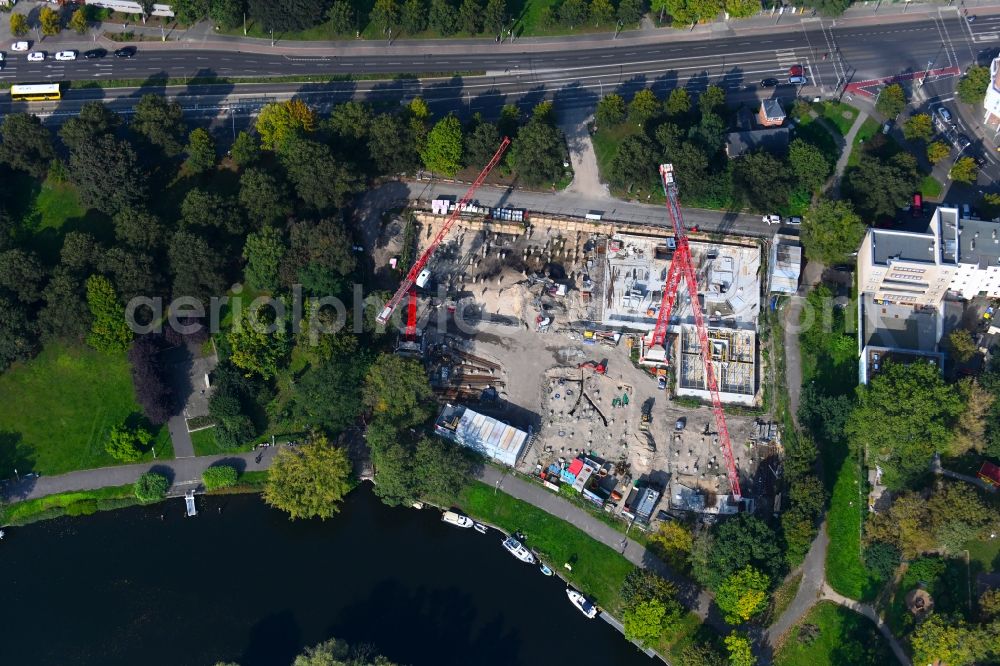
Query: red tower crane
[682,267]
[411,277]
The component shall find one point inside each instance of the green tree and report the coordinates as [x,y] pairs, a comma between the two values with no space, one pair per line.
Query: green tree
[219,476]
[731,546]
[391,146]
[678,103]
[198,269]
[264,251]
[713,100]
[341,17]
[939,641]
[742,595]
[989,603]
[882,186]
[78,21]
[937,151]
[630,11]
[958,515]
[610,110]
[27,144]
[538,152]
[161,122]
[470,16]
[831,231]
[443,152]
[660,6]
[971,88]
[742,8]
[481,143]
[265,199]
[443,17]
[964,170]
[246,149]
[602,12]
[309,481]
[151,487]
[495,16]
[971,429]
[634,164]
[709,133]
[891,101]
[573,12]
[701,654]
[809,165]
[440,470]
[18,332]
[918,127]
[22,274]
[398,389]
[882,558]
[763,180]
[226,13]
[319,179]
[50,22]
[324,395]
[126,444]
[961,344]
[672,542]
[740,653]
[903,416]
[385,15]
[413,16]
[200,151]
[109,331]
[18,24]
[643,107]
[89,167]
[278,122]
[93,121]
[644,621]
[258,350]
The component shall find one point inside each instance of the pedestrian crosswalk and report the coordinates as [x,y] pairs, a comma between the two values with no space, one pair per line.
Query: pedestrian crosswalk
[786,58]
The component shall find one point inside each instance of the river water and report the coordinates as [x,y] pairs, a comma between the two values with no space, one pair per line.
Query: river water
[248,585]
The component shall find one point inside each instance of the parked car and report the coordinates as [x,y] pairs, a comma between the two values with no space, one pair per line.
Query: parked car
[66,55]
[887,127]
[980,161]
[966,211]
[917,209]
[971,18]
[771,219]
[945,114]
[962,142]
[794,220]
[795,70]
[797,80]
[126,52]
[95,53]
[20,46]
[3,59]
[36,56]
[681,423]
[768,83]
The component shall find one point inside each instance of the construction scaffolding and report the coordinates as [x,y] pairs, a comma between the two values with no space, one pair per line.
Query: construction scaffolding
[733,359]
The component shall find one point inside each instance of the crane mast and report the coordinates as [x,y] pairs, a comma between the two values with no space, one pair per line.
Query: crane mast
[407,284]
[681,266]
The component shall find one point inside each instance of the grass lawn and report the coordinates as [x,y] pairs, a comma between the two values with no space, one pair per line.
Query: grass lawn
[840,115]
[783,596]
[205,444]
[868,129]
[77,503]
[58,408]
[845,571]
[597,570]
[945,579]
[985,553]
[606,141]
[844,637]
[931,188]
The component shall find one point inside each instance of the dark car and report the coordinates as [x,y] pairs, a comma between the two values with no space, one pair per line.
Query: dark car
[980,161]
[95,53]
[126,52]
[962,142]
[768,83]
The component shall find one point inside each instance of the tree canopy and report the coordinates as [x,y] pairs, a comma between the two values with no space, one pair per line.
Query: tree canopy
[309,481]
[831,231]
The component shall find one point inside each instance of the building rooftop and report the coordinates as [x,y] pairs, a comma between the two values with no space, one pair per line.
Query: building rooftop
[773,140]
[482,433]
[786,264]
[771,108]
[978,243]
[896,326]
[888,245]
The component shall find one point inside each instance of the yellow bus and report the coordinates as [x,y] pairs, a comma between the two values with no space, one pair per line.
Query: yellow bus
[35,92]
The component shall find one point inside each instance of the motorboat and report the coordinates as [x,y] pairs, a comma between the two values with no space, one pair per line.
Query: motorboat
[518,550]
[456,519]
[545,570]
[480,528]
[580,601]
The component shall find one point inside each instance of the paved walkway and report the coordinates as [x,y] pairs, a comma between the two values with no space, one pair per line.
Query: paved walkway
[586,176]
[696,599]
[845,154]
[813,579]
[183,473]
[180,437]
[829,594]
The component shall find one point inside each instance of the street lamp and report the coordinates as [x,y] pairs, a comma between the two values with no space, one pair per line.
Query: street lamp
[618,28]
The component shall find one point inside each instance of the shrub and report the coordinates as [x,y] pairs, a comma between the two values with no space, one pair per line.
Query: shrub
[151,487]
[220,476]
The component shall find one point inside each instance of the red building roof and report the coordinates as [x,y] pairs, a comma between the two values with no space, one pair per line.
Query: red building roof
[990,473]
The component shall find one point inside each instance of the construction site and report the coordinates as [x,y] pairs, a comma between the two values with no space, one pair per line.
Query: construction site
[543,326]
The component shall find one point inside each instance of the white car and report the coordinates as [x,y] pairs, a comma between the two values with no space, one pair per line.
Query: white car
[19,46]
[797,80]
[66,55]
[3,59]
[771,219]
[36,56]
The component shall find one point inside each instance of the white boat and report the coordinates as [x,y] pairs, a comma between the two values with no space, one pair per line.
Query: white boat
[580,601]
[456,519]
[518,551]
[545,570]
[480,528]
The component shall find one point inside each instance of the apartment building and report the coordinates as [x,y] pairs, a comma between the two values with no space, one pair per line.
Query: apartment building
[955,256]
[991,103]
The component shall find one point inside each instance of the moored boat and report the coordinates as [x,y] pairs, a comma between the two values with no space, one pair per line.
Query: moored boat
[545,570]
[480,528]
[518,550]
[456,519]
[581,602]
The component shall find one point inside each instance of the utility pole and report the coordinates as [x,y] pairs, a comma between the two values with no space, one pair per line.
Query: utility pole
[244,24]
[618,28]
[272,37]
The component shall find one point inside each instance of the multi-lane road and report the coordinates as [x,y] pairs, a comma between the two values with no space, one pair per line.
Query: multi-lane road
[831,54]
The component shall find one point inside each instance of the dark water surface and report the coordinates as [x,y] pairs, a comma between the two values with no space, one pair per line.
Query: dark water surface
[248,585]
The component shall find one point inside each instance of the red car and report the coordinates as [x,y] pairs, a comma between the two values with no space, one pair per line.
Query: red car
[917,209]
[796,70]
